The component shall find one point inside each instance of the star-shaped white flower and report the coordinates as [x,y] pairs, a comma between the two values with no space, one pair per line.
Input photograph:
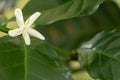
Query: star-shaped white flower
[25,28]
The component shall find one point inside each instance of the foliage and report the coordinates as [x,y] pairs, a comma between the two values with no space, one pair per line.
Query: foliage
[68,9]
[52,59]
[101,55]
[36,62]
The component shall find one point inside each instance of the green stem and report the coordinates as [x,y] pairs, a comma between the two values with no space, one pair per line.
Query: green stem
[25,61]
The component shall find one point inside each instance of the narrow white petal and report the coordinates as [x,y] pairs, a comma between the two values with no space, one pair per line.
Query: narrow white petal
[36,34]
[19,17]
[26,38]
[14,32]
[32,19]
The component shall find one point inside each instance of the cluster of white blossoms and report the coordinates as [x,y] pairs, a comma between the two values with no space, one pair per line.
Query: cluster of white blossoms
[25,28]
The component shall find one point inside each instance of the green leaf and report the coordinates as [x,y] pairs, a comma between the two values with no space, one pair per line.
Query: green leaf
[39,61]
[59,11]
[3,29]
[101,55]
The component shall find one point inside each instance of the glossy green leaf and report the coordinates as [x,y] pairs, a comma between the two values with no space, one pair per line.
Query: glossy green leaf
[39,61]
[60,9]
[101,55]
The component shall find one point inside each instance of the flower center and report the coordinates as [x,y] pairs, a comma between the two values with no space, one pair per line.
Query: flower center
[24,29]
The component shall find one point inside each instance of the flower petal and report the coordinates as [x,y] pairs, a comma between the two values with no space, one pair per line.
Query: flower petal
[36,34]
[19,17]
[14,33]
[26,38]
[32,18]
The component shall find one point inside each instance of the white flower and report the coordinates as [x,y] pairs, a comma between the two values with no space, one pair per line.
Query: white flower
[25,28]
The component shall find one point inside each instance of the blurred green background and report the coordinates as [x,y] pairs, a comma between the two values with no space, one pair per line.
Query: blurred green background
[70,33]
